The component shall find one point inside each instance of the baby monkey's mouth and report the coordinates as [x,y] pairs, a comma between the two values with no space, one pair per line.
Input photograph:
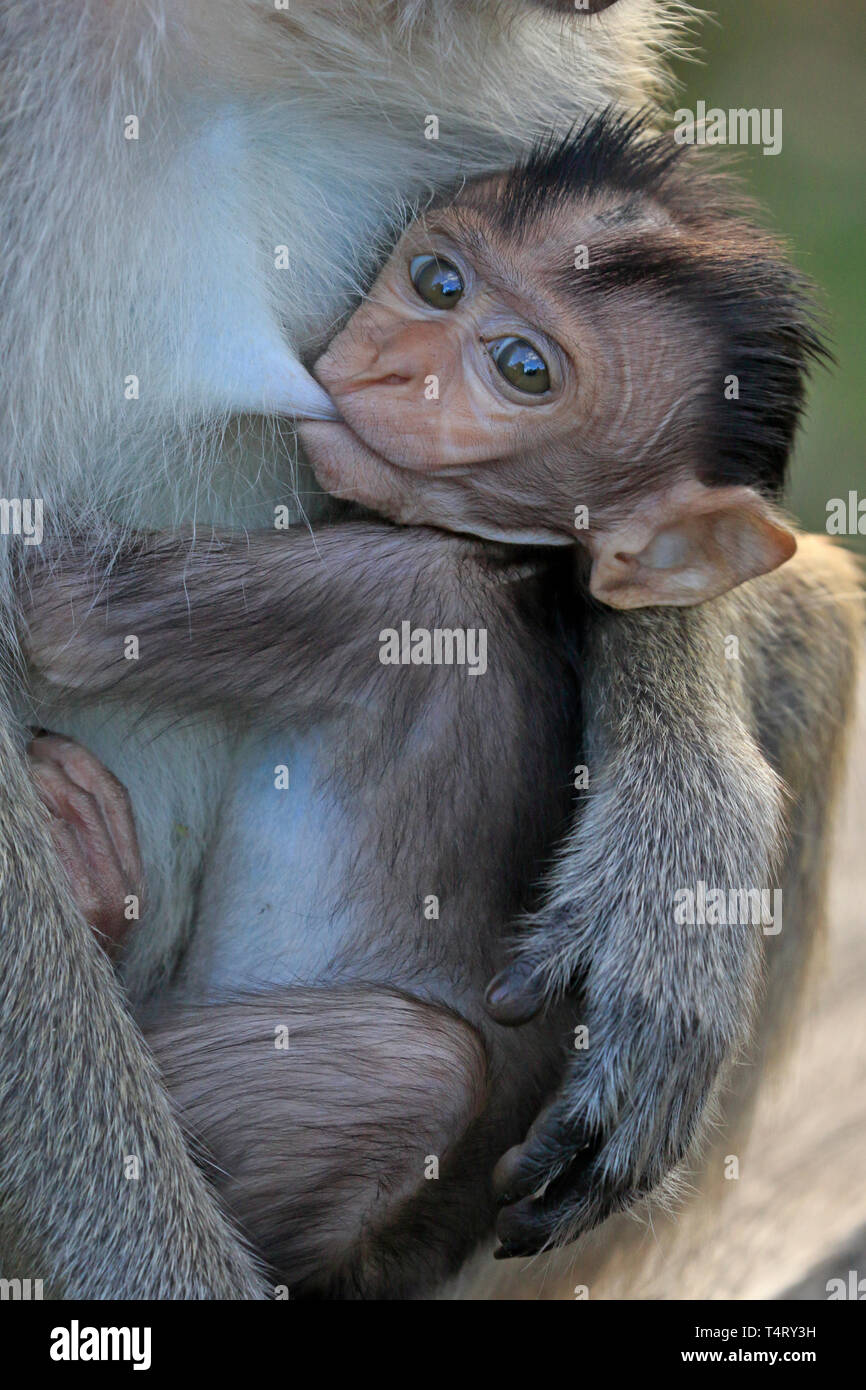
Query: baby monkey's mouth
[345,465]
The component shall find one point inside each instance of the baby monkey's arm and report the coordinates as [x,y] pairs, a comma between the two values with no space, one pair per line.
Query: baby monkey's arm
[678,794]
[267,622]
[690,716]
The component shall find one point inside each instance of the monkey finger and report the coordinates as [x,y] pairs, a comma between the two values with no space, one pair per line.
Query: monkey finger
[555,1193]
[516,994]
[558,1215]
[520,1230]
[585,1190]
[538,1222]
[556,1143]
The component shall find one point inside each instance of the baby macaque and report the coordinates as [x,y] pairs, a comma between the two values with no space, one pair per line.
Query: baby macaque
[572,385]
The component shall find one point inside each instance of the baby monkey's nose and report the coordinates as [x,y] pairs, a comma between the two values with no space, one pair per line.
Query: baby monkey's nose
[351,385]
[392,379]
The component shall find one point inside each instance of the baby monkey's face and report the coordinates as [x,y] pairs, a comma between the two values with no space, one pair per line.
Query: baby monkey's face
[460,384]
[485,387]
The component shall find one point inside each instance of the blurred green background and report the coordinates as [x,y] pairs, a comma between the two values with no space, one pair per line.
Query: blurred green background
[809,58]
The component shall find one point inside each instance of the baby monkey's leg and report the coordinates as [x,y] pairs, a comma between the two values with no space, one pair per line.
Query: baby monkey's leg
[94,833]
[319,1147]
[323,1110]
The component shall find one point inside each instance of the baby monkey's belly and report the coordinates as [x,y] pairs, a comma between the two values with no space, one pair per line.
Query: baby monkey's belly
[274,908]
[314,879]
[308,882]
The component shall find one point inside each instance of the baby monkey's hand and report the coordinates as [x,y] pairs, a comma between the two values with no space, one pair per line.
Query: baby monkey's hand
[625,1117]
[94,834]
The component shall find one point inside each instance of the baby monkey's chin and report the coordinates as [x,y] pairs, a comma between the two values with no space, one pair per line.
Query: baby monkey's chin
[348,468]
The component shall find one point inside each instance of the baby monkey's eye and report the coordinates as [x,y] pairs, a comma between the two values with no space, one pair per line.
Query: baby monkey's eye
[437,281]
[521,365]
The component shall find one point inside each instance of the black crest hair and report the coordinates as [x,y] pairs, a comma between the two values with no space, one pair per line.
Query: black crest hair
[707,253]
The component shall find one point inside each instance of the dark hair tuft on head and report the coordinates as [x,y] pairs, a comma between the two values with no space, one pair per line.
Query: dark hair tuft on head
[707,253]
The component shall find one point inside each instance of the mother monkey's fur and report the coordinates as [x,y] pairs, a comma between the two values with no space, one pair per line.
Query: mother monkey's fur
[149,333]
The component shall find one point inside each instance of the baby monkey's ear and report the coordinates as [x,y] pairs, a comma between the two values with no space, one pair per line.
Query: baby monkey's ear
[686,544]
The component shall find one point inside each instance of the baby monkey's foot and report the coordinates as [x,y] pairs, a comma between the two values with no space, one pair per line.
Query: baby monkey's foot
[94,834]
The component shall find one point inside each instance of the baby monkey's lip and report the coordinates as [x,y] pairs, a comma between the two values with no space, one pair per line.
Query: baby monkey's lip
[317,429]
[345,465]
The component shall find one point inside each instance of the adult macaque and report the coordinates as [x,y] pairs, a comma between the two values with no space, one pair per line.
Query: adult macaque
[558,386]
[192,193]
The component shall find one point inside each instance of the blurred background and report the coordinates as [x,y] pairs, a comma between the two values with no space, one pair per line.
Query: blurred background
[807,57]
